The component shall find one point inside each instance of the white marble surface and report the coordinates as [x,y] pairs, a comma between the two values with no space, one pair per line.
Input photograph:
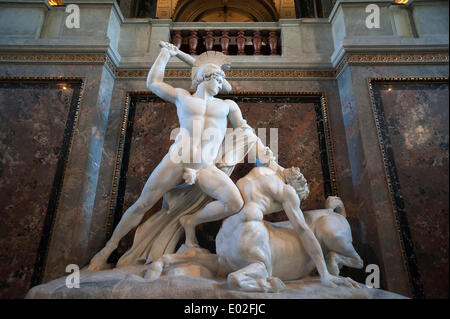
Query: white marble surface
[128,283]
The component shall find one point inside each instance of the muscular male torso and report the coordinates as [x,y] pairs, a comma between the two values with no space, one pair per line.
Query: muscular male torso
[262,190]
[204,123]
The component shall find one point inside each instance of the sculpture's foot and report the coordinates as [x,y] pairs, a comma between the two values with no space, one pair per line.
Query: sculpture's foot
[99,261]
[155,270]
[189,230]
[274,284]
[255,278]
[192,249]
[244,282]
[192,245]
[334,281]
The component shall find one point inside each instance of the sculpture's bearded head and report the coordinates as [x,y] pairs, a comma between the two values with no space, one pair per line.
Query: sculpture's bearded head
[292,176]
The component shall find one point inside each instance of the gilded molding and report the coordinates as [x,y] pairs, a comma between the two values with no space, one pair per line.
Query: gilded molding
[117,165]
[186,74]
[53,57]
[350,58]
[391,58]
[330,145]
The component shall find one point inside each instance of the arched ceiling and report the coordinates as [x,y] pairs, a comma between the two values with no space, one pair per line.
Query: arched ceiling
[225,11]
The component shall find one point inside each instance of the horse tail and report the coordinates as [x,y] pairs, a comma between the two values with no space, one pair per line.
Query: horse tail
[336,204]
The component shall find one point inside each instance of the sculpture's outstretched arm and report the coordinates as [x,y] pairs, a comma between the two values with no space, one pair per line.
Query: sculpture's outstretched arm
[266,157]
[155,78]
[291,205]
[235,116]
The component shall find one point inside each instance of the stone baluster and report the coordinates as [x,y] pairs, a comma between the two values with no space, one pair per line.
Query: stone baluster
[273,42]
[257,42]
[240,41]
[209,40]
[177,38]
[224,41]
[193,42]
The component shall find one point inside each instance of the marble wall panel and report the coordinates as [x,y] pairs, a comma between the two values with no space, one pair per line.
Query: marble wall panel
[363,224]
[377,219]
[413,126]
[75,218]
[37,119]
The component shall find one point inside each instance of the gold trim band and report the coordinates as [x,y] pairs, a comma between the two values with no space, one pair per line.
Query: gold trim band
[350,58]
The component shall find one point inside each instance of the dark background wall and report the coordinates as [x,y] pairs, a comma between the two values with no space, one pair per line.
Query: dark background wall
[36,124]
[413,119]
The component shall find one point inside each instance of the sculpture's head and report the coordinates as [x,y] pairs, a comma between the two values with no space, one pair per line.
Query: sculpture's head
[292,176]
[212,77]
[208,69]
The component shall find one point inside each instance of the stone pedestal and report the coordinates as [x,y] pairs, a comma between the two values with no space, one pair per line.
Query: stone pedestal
[128,283]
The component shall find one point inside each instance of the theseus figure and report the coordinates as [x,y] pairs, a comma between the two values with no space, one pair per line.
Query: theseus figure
[203,122]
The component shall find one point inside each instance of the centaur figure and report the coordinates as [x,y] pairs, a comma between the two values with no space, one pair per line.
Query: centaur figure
[257,255]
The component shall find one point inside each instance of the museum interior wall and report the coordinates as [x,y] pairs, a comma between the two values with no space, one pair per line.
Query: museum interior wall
[363,112]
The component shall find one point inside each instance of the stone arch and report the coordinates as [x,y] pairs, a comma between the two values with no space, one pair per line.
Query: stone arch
[249,10]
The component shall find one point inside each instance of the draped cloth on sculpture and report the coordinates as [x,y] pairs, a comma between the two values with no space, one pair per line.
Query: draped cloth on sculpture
[160,234]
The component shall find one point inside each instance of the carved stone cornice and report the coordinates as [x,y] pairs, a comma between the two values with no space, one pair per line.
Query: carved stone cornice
[391,58]
[349,58]
[246,73]
[53,57]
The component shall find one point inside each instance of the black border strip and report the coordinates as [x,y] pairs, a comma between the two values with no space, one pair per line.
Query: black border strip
[78,87]
[134,98]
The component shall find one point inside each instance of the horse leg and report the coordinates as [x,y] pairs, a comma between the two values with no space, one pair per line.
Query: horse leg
[210,261]
[336,236]
[332,261]
[254,278]
[341,260]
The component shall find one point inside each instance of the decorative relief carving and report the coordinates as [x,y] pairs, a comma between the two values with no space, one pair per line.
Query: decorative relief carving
[52,57]
[234,74]
[391,58]
[243,73]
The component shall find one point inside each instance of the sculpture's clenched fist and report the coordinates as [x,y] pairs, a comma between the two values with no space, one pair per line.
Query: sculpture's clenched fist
[173,50]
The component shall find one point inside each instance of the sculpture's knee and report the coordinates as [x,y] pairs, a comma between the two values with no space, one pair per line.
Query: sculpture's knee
[251,213]
[235,205]
[146,201]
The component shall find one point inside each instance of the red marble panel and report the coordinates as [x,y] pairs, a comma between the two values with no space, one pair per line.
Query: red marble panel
[298,140]
[32,127]
[298,145]
[415,127]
